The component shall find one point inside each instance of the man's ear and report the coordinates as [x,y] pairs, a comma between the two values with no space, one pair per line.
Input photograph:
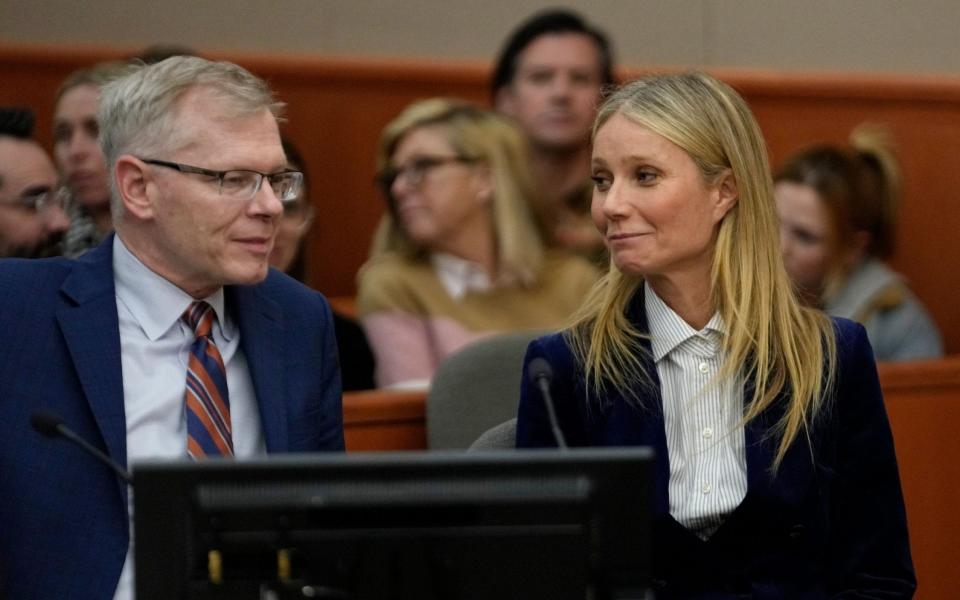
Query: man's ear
[727,195]
[132,179]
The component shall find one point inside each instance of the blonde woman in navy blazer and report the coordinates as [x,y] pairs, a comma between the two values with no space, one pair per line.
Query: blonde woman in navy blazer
[683,197]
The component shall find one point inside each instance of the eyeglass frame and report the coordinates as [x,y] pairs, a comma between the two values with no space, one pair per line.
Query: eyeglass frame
[416,170]
[298,212]
[291,194]
[58,197]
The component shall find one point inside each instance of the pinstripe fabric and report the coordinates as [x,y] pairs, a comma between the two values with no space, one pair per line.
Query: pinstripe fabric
[209,430]
[705,441]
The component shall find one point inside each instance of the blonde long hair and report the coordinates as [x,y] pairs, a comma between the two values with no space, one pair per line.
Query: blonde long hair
[770,338]
[485,137]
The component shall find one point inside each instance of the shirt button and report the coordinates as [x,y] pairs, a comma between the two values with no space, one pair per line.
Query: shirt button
[703,367]
[707,488]
[708,432]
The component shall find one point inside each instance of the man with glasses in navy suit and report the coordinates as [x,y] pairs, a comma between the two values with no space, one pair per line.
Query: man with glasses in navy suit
[173,338]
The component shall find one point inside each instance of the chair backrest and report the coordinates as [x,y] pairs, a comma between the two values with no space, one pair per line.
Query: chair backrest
[498,437]
[475,389]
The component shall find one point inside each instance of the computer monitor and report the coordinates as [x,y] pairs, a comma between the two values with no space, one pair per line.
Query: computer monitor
[530,524]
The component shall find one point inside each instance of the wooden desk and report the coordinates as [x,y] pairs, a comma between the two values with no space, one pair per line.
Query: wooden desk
[384,420]
[923,403]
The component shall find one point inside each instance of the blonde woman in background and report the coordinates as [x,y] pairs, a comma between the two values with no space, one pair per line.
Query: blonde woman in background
[775,470]
[458,256]
[838,212]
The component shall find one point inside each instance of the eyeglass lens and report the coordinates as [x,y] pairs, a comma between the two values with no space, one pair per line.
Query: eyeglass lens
[286,185]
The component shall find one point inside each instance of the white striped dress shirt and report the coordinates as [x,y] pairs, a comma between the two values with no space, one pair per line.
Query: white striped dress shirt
[705,440]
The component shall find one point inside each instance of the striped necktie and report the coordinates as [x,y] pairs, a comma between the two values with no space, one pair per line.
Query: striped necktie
[209,432]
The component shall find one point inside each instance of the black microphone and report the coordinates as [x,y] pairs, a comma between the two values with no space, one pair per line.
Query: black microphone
[541,375]
[52,426]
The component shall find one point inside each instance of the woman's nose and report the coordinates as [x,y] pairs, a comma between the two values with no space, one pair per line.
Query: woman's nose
[614,204]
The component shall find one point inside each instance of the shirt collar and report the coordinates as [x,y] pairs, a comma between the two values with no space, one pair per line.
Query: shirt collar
[154,302]
[668,330]
[460,276]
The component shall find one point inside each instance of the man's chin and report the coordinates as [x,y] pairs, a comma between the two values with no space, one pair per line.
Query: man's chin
[561,144]
[251,276]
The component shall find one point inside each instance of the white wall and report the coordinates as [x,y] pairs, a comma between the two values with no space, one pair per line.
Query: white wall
[918,36]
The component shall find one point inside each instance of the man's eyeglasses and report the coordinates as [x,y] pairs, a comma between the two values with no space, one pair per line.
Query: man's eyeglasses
[243,184]
[415,170]
[43,201]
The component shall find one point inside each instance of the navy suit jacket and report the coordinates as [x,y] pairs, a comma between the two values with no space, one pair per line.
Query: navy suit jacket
[63,518]
[829,524]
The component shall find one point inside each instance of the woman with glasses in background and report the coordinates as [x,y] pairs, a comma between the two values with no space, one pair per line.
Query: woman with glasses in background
[289,256]
[457,256]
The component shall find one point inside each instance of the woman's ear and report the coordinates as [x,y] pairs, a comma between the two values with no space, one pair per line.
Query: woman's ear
[727,194]
[857,249]
[132,185]
[484,178]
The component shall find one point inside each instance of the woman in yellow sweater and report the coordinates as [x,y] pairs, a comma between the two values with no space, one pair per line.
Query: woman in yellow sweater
[458,255]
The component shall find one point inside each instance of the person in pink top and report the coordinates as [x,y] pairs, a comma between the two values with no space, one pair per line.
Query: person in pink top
[457,256]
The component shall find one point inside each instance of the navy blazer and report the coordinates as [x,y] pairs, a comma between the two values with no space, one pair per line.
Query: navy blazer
[829,524]
[63,519]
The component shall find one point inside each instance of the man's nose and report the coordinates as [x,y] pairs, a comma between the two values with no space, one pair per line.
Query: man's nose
[561,87]
[266,201]
[55,220]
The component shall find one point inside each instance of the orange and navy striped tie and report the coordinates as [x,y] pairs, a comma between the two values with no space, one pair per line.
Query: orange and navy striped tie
[209,432]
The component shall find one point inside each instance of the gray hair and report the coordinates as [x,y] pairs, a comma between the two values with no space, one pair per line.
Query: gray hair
[138,110]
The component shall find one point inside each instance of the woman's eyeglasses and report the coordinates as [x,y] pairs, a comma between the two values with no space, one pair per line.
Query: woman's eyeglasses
[414,170]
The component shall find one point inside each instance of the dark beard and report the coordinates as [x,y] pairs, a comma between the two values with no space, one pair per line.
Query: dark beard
[46,248]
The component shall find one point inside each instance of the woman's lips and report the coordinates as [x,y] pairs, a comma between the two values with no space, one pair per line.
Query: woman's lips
[617,237]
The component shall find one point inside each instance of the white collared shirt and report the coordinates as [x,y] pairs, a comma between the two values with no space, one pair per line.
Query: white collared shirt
[705,438]
[459,276]
[154,350]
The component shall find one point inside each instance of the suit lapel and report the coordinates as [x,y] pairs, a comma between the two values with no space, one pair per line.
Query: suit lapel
[657,433]
[91,331]
[649,420]
[260,320]
[796,471]
[793,477]
[757,442]
[645,426]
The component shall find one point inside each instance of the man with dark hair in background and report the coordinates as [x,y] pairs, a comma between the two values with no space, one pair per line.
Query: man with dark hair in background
[32,216]
[549,78]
